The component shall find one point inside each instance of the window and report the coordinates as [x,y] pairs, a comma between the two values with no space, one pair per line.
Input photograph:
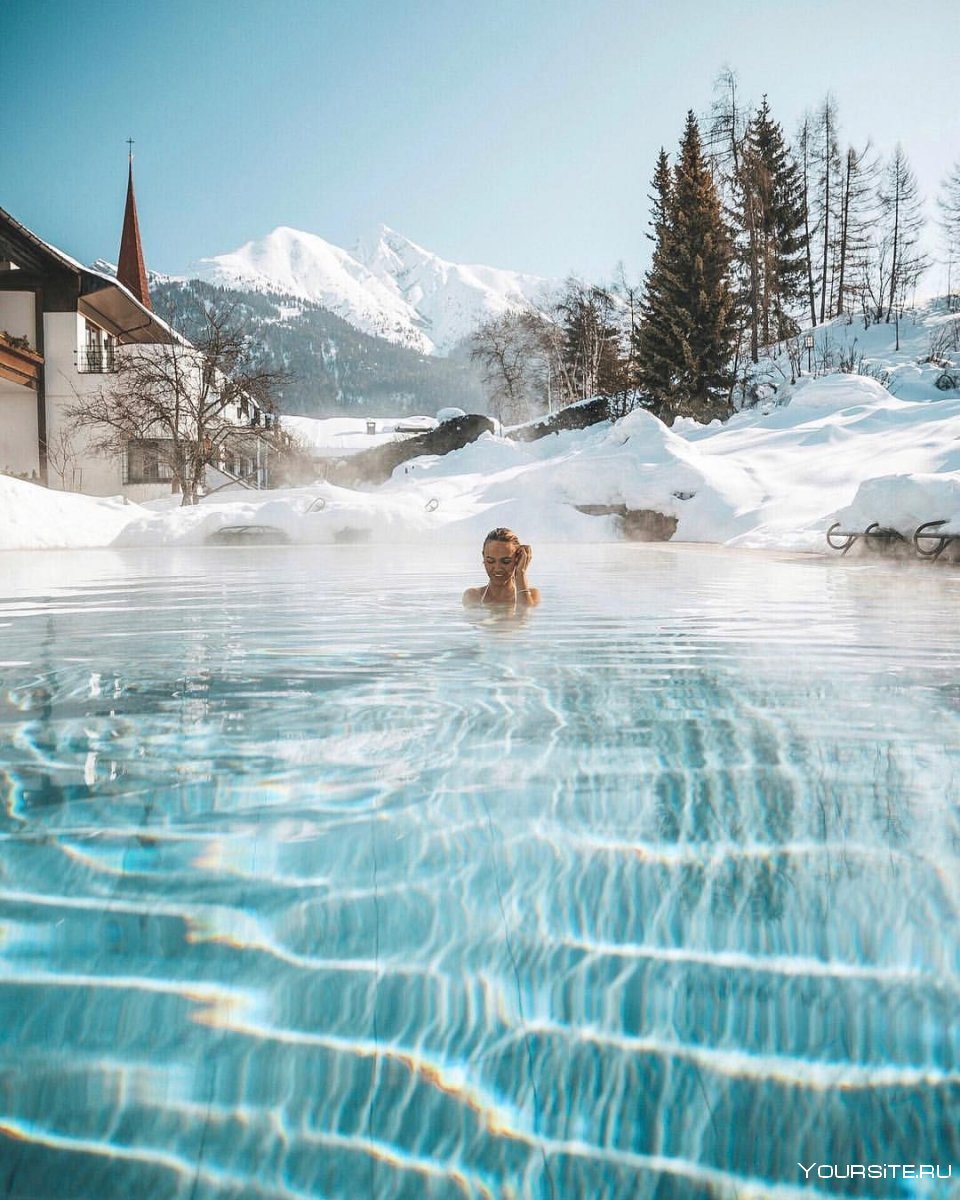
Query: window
[149,461]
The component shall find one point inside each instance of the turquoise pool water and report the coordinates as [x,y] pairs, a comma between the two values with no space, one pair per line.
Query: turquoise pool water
[313,886]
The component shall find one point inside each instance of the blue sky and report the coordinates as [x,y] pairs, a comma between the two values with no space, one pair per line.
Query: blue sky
[520,134]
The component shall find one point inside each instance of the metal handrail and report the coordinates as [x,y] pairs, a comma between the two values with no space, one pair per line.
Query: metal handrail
[881,533]
[941,538]
[930,539]
[96,361]
[233,480]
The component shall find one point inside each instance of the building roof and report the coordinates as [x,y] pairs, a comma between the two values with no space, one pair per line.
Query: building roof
[101,296]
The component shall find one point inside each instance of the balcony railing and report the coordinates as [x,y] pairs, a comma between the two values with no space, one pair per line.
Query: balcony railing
[96,360]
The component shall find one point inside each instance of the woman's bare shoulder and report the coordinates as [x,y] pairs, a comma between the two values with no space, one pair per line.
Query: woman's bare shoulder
[473,596]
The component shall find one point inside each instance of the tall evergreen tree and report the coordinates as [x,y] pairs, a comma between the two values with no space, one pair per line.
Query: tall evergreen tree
[690,292]
[656,346]
[771,214]
[662,194]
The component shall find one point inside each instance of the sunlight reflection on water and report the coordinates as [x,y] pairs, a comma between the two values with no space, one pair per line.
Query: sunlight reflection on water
[313,885]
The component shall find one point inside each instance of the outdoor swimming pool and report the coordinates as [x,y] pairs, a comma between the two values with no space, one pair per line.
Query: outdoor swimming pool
[313,886]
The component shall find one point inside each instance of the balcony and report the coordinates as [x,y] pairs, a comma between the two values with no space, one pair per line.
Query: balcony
[96,360]
[18,363]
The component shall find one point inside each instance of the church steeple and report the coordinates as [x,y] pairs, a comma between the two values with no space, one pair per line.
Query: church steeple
[130,269]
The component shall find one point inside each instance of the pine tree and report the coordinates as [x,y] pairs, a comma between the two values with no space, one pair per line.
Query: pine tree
[662,193]
[656,346]
[772,217]
[690,294]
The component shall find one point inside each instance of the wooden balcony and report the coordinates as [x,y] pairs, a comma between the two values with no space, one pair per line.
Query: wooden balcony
[19,365]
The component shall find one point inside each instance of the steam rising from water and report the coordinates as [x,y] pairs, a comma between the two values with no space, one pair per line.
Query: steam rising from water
[310,885]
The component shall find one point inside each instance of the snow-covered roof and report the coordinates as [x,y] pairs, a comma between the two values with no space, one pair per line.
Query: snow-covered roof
[339,437]
[101,295]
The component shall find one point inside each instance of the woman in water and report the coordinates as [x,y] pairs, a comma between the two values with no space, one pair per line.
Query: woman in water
[505,560]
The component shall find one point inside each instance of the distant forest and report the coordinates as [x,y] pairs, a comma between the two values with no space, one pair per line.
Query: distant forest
[333,369]
[756,237]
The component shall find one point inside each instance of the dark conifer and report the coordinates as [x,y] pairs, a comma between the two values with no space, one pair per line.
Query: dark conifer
[772,217]
[656,346]
[690,300]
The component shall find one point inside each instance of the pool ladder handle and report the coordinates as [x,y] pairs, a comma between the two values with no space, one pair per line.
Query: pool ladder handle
[320,504]
[941,538]
[929,531]
[875,530]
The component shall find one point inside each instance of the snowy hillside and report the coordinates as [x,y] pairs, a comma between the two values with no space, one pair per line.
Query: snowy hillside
[388,287]
[333,367]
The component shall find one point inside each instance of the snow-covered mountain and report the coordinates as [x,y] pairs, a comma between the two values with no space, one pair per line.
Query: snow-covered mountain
[387,286]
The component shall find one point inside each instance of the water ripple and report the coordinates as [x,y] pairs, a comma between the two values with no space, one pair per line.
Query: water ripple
[311,886]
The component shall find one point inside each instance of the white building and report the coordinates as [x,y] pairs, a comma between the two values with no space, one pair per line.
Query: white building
[62,327]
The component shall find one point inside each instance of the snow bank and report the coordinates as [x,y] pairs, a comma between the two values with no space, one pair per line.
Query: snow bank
[903,502]
[35,518]
[844,448]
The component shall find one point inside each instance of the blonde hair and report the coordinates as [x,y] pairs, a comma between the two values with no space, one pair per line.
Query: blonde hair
[501,534]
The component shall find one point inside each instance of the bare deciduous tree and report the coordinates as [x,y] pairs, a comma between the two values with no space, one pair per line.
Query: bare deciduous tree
[63,454]
[189,400]
[856,214]
[726,131]
[827,158]
[588,318]
[505,349]
[897,261]
[949,204]
[803,152]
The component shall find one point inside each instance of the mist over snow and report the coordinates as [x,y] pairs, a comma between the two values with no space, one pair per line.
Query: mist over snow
[841,447]
[774,477]
[386,286]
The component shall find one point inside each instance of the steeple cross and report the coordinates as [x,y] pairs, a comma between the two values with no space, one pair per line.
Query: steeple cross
[130,144]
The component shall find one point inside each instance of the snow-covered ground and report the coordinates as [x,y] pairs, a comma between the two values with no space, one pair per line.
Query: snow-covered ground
[841,447]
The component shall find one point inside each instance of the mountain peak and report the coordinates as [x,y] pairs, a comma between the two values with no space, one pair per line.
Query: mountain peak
[385,243]
[387,286]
